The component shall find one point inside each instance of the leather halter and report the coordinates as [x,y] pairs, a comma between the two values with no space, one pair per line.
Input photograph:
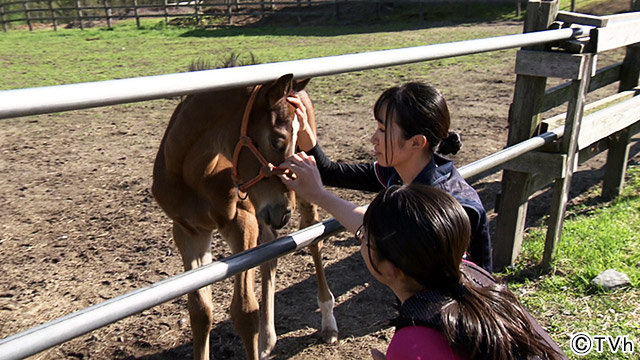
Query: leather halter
[267,169]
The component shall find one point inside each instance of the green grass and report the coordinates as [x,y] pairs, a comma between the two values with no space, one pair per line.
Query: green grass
[594,238]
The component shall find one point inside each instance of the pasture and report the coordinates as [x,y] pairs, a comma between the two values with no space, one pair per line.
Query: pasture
[80,226]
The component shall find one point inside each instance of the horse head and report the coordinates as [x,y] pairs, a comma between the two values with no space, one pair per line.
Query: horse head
[266,140]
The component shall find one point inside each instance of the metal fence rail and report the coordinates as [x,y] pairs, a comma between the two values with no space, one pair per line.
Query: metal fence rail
[32,101]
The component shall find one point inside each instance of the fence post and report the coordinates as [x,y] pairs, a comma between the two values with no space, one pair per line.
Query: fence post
[79,10]
[197,12]
[107,12]
[27,15]
[569,146]
[524,117]
[135,13]
[166,12]
[618,153]
[53,16]
[3,18]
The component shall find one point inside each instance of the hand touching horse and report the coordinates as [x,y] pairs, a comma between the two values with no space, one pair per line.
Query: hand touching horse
[213,171]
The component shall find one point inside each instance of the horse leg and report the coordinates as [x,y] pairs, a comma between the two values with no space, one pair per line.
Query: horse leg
[242,234]
[267,339]
[195,249]
[329,332]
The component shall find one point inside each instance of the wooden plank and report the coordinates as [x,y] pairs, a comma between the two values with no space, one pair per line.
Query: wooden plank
[616,35]
[609,121]
[558,120]
[622,17]
[537,162]
[582,19]
[560,94]
[592,150]
[551,64]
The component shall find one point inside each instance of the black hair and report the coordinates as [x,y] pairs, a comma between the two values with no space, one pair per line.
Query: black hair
[424,232]
[418,109]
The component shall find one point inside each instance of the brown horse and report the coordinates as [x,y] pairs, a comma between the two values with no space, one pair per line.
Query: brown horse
[200,178]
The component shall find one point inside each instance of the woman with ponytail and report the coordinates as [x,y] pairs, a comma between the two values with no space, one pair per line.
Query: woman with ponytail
[412,240]
[411,135]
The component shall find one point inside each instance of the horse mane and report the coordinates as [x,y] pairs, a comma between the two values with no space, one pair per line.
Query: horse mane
[234,59]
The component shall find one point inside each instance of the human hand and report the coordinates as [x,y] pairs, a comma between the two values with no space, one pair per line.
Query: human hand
[302,176]
[378,355]
[306,138]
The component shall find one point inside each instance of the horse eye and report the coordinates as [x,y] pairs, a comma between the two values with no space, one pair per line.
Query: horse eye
[279,144]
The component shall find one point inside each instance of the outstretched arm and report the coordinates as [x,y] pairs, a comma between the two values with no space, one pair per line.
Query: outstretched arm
[304,179]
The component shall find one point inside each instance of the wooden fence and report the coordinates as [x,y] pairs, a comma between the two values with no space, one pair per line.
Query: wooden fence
[588,129]
[82,12]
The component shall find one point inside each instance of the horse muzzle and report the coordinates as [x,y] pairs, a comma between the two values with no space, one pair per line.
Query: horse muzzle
[275,216]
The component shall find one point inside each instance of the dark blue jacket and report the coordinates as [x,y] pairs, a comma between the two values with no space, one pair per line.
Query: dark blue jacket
[439,173]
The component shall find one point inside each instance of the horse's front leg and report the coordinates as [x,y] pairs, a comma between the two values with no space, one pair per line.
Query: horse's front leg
[195,249]
[242,234]
[267,339]
[329,332]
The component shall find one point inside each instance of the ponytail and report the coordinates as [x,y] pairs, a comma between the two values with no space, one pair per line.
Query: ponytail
[488,322]
[450,145]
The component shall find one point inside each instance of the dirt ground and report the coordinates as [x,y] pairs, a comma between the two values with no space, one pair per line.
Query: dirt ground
[80,226]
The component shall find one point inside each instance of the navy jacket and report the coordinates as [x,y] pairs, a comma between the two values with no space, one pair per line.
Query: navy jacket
[439,173]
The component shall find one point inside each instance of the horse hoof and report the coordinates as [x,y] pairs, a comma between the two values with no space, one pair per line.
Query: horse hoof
[330,336]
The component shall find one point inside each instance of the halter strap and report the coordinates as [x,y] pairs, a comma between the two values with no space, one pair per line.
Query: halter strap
[267,169]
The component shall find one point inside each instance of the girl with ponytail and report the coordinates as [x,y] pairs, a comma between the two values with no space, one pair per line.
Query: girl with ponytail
[412,240]
[412,133]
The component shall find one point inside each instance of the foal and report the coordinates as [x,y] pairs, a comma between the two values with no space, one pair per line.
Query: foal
[213,171]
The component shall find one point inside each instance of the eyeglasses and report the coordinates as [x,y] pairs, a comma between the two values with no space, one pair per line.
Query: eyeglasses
[360,234]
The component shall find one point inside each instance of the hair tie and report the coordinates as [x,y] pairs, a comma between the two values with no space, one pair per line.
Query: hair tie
[457,290]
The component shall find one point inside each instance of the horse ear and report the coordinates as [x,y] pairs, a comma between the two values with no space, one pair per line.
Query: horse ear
[299,85]
[280,89]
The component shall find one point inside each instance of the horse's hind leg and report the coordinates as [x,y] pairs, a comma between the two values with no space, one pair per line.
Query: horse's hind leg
[195,249]
[329,332]
[267,339]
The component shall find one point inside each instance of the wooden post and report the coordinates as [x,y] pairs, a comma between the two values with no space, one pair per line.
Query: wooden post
[107,12]
[524,118]
[27,16]
[135,13]
[197,12]
[53,16]
[166,12]
[569,146]
[3,18]
[618,153]
[79,11]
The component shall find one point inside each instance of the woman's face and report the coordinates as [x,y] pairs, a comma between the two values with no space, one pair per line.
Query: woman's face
[388,143]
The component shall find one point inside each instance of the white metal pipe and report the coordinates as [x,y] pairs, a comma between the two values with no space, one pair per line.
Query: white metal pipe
[42,100]
[55,332]
[510,153]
